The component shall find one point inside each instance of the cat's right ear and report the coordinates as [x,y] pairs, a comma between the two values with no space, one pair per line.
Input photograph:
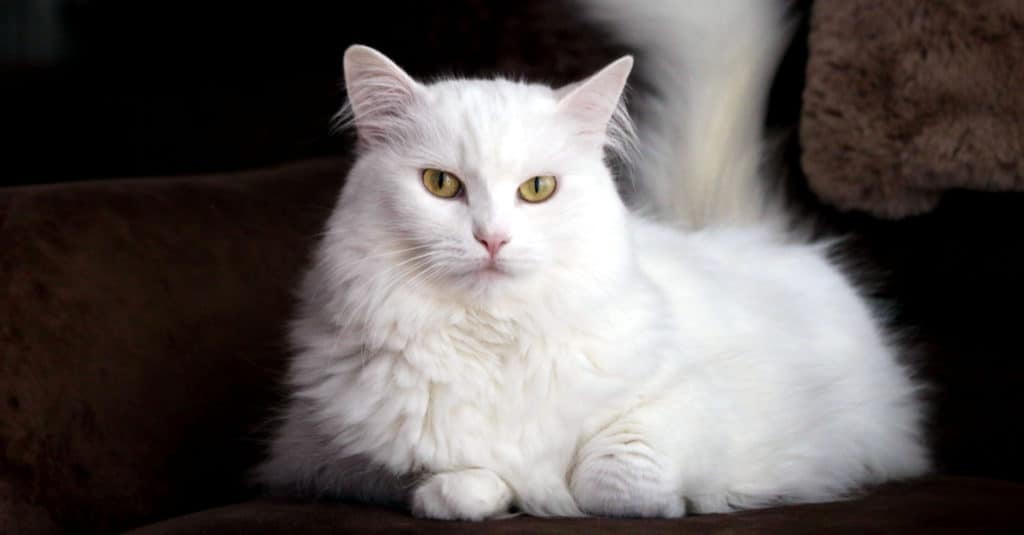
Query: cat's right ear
[594,101]
[379,93]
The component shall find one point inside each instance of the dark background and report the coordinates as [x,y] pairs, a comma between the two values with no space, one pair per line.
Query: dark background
[95,89]
[104,88]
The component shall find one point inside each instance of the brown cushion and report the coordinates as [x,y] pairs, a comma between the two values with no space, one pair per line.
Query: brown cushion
[932,505]
[141,339]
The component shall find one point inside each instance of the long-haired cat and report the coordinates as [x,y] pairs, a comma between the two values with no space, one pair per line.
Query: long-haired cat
[487,327]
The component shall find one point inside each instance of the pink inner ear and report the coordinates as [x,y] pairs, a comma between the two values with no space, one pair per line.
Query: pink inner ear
[594,100]
[379,93]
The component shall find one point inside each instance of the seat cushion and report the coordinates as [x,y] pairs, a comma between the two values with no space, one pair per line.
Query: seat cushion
[941,504]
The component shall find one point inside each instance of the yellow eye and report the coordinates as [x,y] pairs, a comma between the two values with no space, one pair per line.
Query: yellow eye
[538,188]
[441,183]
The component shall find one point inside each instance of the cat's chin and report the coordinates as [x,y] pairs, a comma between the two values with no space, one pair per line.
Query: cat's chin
[487,277]
[489,274]
[492,270]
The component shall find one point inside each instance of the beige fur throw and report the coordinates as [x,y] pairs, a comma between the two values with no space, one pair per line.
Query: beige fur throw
[906,99]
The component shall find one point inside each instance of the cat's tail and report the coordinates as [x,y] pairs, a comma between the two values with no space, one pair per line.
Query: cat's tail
[710,64]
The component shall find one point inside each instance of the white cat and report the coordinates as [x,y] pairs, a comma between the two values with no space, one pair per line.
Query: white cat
[486,327]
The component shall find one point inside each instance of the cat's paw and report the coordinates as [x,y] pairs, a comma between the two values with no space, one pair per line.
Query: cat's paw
[624,481]
[473,494]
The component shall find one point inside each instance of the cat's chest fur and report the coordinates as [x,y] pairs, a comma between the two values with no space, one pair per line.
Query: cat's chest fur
[467,387]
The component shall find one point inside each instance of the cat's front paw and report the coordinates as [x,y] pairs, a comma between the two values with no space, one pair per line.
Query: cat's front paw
[623,479]
[473,494]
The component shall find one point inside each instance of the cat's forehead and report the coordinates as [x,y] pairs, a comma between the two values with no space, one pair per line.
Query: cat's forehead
[494,123]
[496,95]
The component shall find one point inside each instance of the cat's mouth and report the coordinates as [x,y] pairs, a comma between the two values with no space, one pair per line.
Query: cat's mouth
[486,272]
[492,268]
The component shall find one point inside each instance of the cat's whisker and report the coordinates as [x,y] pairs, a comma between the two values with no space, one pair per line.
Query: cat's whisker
[395,273]
[385,254]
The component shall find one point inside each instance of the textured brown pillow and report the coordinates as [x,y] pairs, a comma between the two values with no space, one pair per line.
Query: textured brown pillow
[908,98]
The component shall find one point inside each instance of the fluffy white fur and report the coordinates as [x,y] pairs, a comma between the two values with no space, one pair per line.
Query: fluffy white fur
[711,63]
[611,365]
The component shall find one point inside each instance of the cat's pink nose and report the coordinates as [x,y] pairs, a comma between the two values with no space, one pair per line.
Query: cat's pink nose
[492,242]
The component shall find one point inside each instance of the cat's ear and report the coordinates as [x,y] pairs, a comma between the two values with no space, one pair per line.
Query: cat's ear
[379,92]
[593,101]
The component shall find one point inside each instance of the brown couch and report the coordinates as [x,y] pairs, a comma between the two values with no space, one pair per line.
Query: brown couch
[140,330]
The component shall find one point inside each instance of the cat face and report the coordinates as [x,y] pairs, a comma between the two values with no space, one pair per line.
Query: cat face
[484,185]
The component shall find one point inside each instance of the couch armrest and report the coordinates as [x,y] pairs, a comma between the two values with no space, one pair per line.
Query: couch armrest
[141,329]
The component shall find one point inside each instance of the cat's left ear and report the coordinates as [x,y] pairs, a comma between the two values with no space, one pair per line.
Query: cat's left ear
[594,100]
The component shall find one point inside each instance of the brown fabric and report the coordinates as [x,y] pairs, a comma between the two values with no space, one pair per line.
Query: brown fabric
[140,334]
[908,98]
[942,505]
[140,328]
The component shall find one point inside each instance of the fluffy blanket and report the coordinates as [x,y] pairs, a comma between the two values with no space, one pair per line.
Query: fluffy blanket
[906,99]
